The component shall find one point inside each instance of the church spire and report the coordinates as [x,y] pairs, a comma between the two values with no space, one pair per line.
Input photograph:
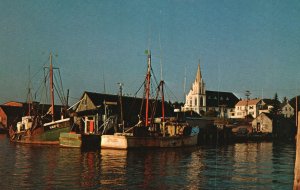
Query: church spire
[198,75]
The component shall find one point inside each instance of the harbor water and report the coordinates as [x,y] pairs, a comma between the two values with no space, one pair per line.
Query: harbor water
[263,165]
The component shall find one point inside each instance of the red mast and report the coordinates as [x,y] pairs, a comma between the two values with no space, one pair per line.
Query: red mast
[148,86]
[51,87]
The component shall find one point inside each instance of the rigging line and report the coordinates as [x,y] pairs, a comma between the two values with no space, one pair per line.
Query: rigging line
[41,84]
[155,79]
[39,70]
[59,91]
[59,95]
[65,99]
[168,88]
[62,88]
[135,94]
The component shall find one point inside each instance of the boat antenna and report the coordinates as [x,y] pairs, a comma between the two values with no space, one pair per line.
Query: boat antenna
[104,89]
[160,60]
[184,84]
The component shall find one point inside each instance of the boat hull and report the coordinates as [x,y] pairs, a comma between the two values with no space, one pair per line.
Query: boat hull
[39,136]
[127,142]
[74,140]
[48,135]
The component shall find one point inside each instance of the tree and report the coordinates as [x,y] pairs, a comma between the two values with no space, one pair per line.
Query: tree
[276,106]
[275,111]
[285,100]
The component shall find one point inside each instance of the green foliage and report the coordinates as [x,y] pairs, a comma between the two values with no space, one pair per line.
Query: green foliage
[276,106]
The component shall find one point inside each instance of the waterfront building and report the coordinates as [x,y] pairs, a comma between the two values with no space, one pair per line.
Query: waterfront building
[201,100]
[247,107]
[265,106]
[10,114]
[96,106]
[287,109]
[279,126]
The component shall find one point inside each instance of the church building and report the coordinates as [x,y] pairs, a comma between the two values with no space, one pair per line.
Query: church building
[201,100]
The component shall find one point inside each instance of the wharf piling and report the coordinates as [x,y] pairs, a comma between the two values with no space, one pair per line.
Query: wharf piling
[297,160]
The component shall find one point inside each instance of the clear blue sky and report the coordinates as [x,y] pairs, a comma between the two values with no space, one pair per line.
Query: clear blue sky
[243,45]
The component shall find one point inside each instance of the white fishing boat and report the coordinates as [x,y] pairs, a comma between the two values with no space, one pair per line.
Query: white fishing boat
[153,133]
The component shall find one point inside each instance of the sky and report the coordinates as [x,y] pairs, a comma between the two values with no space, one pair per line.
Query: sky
[241,45]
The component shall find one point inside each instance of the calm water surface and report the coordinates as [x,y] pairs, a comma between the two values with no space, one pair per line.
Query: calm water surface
[237,166]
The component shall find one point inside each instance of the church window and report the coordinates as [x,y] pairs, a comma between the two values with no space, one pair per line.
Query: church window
[195,101]
[215,97]
[191,103]
[221,98]
[227,98]
[201,101]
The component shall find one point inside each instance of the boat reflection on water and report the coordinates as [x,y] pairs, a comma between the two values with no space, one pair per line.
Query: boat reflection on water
[140,168]
[113,168]
[237,166]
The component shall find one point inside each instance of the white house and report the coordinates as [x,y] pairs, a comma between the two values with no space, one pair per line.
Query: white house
[246,107]
[287,110]
[266,105]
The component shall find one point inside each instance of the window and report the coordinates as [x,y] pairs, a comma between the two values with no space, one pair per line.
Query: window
[195,101]
[258,127]
[250,107]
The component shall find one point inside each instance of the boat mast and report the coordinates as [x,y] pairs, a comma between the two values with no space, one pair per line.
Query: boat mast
[148,85]
[162,101]
[29,96]
[51,87]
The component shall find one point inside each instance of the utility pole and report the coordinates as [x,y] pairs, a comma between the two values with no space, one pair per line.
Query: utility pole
[247,94]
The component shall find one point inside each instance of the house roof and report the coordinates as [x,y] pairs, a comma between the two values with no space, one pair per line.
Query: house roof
[268,115]
[13,111]
[131,105]
[249,102]
[98,98]
[217,98]
[285,104]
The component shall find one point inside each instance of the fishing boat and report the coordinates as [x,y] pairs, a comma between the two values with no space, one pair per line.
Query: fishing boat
[153,132]
[34,128]
[88,127]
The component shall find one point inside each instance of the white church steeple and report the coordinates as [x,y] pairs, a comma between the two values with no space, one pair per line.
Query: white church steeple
[196,98]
